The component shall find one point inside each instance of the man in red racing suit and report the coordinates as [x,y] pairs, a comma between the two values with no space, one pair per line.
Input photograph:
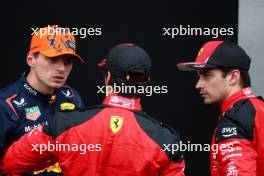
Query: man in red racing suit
[115,138]
[239,136]
[238,142]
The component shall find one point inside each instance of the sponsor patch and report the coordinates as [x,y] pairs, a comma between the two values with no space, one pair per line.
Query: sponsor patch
[32,113]
[20,103]
[229,131]
[67,106]
[67,94]
[122,102]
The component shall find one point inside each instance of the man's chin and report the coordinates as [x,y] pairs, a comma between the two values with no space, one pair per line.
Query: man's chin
[207,102]
[56,85]
[210,102]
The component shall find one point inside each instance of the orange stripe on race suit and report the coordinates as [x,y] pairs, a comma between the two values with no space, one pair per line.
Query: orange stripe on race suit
[8,101]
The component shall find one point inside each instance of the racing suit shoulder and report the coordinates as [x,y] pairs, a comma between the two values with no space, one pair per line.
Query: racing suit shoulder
[258,103]
[8,116]
[67,91]
[259,131]
[67,87]
[7,96]
[9,93]
[235,139]
[64,120]
[11,90]
[261,98]
[237,122]
[162,134]
[13,99]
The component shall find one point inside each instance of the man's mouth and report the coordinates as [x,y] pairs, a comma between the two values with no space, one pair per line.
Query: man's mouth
[58,78]
[203,94]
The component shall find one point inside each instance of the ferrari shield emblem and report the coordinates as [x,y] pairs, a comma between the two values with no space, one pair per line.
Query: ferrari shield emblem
[116,123]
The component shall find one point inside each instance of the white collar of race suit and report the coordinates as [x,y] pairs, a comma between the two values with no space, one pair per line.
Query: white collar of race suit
[123,102]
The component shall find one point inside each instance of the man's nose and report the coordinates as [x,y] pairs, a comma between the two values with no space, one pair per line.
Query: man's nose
[198,84]
[60,65]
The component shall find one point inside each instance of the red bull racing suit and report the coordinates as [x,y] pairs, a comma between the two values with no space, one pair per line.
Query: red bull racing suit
[22,108]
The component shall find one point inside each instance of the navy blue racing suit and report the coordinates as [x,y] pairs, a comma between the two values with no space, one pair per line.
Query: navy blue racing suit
[22,108]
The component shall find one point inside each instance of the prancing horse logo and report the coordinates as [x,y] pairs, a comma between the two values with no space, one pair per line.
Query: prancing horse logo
[116,123]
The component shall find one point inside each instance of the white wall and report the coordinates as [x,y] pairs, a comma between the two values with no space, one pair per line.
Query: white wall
[251,38]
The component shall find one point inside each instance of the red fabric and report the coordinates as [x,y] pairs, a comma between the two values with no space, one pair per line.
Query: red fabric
[128,152]
[21,154]
[128,103]
[230,101]
[207,50]
[241,157]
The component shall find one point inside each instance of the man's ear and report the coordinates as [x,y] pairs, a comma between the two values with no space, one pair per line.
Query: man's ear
[234,77]
[31,60]
[107,78]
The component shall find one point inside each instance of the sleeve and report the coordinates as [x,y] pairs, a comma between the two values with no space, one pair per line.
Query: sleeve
[33,151]
[236,142]
[260,139]
[6,124]
[78,99]
[174,169]
[171,146]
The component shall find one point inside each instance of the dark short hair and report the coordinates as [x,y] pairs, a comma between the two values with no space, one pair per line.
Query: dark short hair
[137,81]
[244,76]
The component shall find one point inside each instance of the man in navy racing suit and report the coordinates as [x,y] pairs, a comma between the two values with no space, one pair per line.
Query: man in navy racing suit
[31,101]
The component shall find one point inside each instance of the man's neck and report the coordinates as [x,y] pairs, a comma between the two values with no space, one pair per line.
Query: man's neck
[36,84]
[232,92]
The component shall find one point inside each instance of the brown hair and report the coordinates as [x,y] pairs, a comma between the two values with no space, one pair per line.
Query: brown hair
[244,76]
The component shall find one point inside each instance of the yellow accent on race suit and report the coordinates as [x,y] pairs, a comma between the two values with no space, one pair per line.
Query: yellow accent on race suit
[67,106]
[54,168]
[200,52]
[116,123]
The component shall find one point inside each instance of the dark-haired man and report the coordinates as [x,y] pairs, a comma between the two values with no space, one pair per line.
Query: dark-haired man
[222,67]
[42,90]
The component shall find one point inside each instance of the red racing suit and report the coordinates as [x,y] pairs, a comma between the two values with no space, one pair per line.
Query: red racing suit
[238,142]
[116,138]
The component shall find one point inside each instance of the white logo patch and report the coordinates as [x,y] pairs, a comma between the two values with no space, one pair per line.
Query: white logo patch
[20,103]
[229,131]
[67,94]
